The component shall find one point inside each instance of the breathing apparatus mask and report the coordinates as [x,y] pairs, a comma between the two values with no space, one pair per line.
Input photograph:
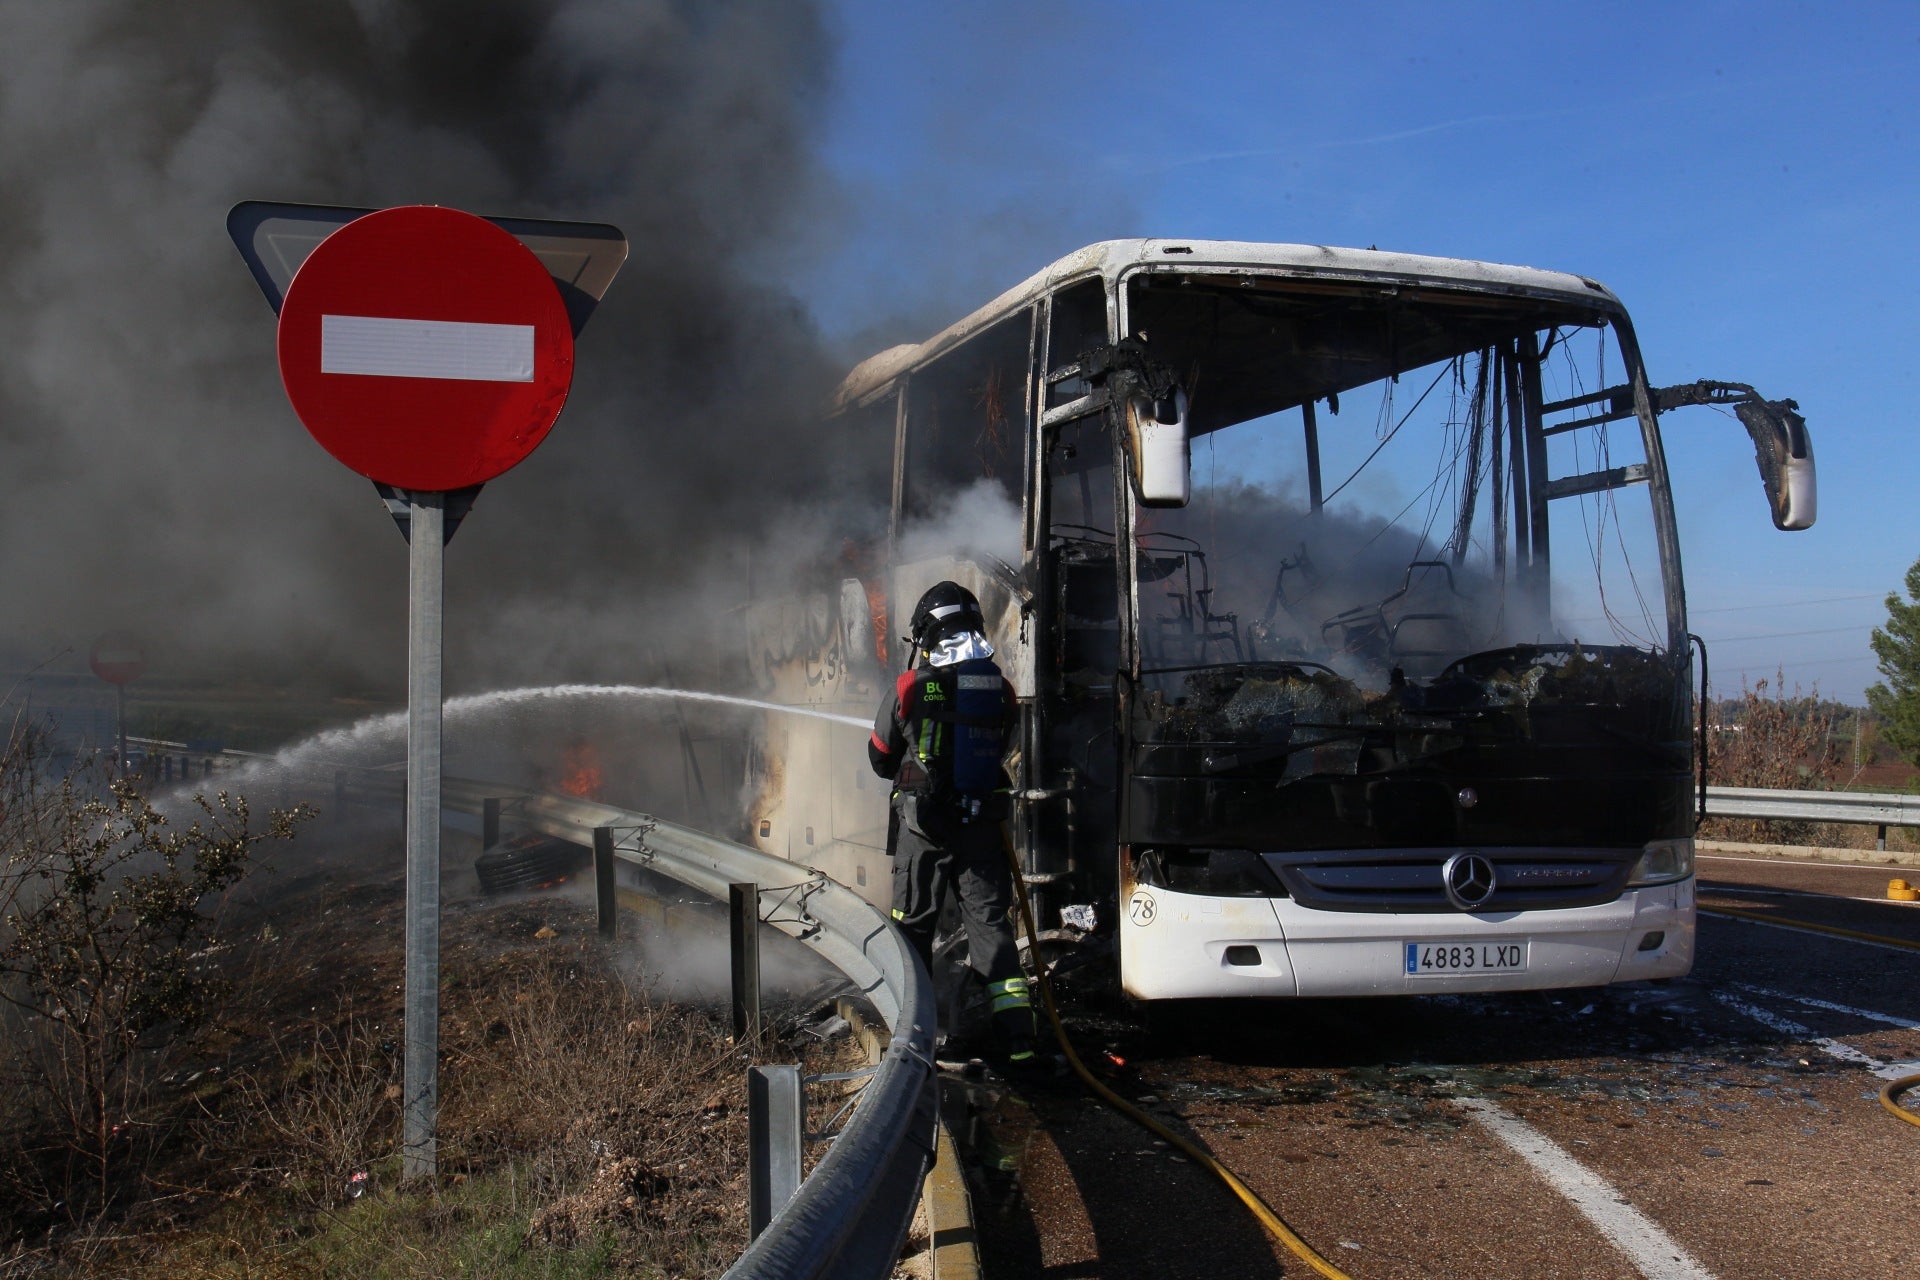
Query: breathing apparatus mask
[959,648]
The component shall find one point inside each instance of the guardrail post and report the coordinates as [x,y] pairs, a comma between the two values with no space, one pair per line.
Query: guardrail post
[489,822]
[776,1119]
[1880,840]
[603,878]
[744,903]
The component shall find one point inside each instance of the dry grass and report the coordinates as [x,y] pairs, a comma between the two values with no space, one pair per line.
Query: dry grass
[626,1113]
[587,1129]
[324,1108]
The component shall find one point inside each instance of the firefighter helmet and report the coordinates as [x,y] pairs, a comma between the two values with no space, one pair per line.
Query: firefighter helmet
[946,609]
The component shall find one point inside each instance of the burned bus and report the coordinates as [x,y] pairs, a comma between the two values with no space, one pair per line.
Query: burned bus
[1341,591]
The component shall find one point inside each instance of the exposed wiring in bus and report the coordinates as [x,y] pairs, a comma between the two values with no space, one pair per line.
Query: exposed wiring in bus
[1595,529]
[1328,499]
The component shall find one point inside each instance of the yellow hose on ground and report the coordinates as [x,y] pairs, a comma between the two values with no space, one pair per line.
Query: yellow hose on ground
[1250,1198]
[1890,1097]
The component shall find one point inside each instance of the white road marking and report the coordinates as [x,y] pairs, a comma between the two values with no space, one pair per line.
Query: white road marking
[1826,1044]
[1652,1251]
[384,347]
[1813,1002]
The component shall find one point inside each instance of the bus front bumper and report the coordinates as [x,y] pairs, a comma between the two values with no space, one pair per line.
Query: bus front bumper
[1176,946]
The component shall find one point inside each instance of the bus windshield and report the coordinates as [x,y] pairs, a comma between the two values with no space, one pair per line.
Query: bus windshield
[1413,514]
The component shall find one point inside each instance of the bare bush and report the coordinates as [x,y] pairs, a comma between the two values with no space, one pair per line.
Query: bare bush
[1778,741]
[104,948]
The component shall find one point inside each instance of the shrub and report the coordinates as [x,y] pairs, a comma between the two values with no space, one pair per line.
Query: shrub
[104,942]
[1773,740]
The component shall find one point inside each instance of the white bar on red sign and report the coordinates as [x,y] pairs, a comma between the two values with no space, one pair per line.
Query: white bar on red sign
[381,347]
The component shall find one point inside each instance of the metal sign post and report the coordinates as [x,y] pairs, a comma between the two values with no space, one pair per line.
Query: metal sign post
[420,1099]
[117,659]
[430,351]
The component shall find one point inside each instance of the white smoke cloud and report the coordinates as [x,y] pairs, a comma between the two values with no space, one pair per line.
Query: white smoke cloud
[979,520]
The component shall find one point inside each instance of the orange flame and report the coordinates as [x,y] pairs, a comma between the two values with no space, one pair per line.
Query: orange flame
[877,611]
[583,776]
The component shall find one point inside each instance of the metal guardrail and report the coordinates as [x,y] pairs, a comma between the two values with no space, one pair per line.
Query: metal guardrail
[851,1214]
[163,761]
[1871,808]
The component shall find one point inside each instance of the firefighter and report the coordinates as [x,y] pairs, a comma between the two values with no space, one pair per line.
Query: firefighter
[940,739]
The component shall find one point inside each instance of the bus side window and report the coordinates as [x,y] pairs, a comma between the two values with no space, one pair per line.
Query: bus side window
[1079,323]
[1079,477]
[967,427]
[863,452]
[1079,471]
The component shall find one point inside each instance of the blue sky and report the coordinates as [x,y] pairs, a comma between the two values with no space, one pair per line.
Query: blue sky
[1743,176]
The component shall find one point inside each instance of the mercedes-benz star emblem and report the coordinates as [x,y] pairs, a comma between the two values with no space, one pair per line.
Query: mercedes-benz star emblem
[1469,880]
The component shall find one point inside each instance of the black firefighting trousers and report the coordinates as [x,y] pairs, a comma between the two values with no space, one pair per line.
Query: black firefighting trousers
[933,852]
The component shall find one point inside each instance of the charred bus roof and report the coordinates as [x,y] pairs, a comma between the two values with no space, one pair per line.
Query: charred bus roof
[1113,259]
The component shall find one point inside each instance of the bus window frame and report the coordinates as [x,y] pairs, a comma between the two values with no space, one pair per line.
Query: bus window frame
[1046,421]
[905,423]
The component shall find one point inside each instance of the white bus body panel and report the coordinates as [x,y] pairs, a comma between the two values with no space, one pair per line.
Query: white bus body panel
[1175,947]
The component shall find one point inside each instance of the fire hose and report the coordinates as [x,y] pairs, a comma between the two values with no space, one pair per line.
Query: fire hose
[1260,1209]
[1890,1097]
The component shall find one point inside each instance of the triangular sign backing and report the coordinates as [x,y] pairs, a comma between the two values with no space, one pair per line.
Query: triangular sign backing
[275,238]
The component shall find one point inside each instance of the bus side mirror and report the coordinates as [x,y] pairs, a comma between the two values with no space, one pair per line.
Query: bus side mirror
[1784,453]
[1157,432]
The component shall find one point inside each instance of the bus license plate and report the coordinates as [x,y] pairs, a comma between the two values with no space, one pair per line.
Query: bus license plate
[1432,959]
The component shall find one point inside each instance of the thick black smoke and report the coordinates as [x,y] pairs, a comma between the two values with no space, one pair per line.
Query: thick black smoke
[154,478]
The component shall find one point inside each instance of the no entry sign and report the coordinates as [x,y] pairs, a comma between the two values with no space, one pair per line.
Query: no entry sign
[425,348]
[429,350]
[117,658]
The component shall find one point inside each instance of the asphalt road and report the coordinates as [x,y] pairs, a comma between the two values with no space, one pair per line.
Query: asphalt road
[1725,1125]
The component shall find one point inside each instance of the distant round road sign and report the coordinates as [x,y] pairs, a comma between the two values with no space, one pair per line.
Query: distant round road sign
[117,659]
[425,348]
